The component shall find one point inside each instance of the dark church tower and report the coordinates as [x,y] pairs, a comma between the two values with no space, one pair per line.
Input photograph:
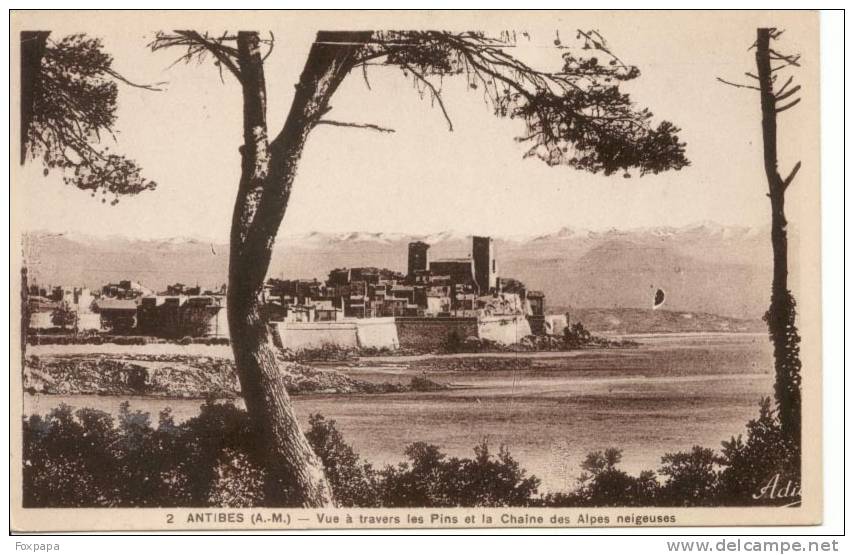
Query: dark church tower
[485,271]
[417,258]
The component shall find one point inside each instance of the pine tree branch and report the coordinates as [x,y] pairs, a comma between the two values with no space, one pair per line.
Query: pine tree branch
[792,174]
[436,95]
[789,105]
[783,96]
[356,125]
[119,77]
[737,85]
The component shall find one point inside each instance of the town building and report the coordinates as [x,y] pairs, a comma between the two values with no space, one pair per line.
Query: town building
[179,316]
[125,289]
[76,303]
[128,308]
[117,315]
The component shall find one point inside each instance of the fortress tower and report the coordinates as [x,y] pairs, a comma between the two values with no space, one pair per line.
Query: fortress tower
[485,270]
[417,258]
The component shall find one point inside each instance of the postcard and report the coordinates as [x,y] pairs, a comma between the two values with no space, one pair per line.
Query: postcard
[408,270]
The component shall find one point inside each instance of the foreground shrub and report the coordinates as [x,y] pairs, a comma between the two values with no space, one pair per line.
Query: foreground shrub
[59,336]
[602,484]
[575,336]
[328,352]
[86,458]
[692,478]
[753,463]
[66,462]
[355,483]
[431,479]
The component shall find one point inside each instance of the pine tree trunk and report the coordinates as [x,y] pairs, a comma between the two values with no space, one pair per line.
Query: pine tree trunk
[295,474]
[781,313]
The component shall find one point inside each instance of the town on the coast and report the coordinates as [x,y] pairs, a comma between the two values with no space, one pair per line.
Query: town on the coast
[435,301]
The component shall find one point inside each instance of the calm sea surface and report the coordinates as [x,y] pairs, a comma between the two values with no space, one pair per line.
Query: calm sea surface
[674,392]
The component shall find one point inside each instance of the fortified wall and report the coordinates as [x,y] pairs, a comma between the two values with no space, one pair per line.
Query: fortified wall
[379,333]
[363,333]
[421,334]
[429,334]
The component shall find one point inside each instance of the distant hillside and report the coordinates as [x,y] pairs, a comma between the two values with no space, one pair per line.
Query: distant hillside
[94,261]
[705,268]
[640,320]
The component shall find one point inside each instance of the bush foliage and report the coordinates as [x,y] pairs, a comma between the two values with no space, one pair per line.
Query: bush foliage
[87,458]
[62,336]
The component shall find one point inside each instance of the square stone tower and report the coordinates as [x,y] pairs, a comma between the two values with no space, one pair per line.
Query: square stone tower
[417,258]
[485,268]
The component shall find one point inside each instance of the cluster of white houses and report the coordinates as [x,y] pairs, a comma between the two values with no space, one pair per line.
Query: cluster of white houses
[127,307]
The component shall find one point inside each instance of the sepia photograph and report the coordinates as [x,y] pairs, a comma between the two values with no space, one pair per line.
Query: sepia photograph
[422,269]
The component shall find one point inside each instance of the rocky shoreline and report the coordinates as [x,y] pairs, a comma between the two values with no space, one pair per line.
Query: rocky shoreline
[184,377]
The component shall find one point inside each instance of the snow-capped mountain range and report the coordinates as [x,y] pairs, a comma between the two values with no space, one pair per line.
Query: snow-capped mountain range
[705,267]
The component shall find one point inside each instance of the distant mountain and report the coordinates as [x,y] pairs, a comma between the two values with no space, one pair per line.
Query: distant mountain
[704,268]
[714,270]
[94,261]
[626,273]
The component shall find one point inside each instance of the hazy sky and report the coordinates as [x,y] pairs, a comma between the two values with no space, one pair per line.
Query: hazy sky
[422,178]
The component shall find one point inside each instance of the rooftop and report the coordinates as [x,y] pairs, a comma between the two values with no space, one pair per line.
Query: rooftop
[116,304]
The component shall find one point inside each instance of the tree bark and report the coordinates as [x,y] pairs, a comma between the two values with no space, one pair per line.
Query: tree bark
[781,313]
[295,474]
[776,190]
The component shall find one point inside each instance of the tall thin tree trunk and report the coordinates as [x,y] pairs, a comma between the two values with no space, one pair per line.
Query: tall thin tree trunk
[781,313]
[769,142]
[295,474]
[25,313]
